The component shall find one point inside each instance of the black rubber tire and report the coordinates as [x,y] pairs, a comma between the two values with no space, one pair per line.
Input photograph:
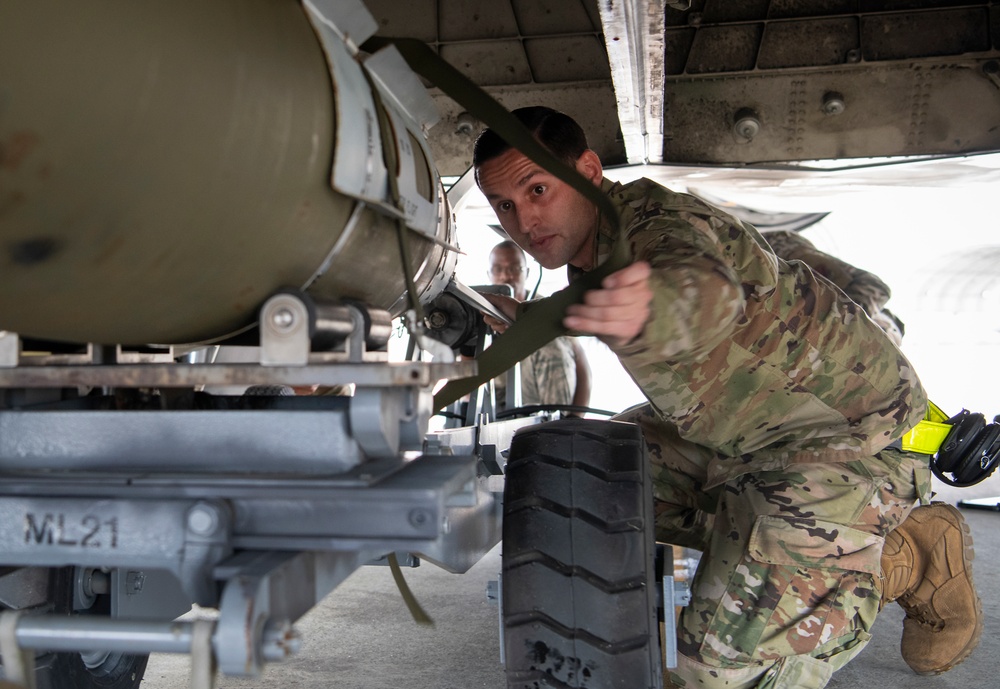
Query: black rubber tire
[578,587]
[68,670]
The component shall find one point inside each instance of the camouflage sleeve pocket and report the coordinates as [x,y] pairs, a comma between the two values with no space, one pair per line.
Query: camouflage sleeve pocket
[814,543]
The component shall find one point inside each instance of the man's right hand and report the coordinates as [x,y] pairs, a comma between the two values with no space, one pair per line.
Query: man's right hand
[508,305]
[618,311]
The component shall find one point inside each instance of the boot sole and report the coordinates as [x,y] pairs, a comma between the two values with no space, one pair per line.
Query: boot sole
[968,555]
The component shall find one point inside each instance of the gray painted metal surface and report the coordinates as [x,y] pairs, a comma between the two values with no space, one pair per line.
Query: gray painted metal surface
[258,512]
[361,637]
[51,633]
[634,38]
[912,78]
[178,441]
[171,375]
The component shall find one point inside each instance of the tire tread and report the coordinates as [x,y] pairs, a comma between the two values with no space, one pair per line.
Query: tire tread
[562,474]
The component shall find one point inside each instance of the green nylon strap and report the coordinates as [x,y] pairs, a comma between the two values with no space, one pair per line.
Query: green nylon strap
[535,328]
[458,87]
[419,616]
[542,323]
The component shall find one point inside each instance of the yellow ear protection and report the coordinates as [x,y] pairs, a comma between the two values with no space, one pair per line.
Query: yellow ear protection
[970,452]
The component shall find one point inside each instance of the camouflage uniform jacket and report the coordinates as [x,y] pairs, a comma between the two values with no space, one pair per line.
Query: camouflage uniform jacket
[863,287]
[748,355]
[547,377]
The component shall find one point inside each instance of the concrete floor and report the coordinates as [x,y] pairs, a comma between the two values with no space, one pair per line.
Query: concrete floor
[361,635]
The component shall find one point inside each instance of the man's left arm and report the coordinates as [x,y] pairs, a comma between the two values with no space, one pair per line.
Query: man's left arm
[863,287]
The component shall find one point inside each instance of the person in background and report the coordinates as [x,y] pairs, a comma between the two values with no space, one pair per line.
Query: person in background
[558,373]
[774,409]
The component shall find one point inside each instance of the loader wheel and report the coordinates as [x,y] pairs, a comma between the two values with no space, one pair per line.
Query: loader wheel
[85,670]
[90,670]
[578,593]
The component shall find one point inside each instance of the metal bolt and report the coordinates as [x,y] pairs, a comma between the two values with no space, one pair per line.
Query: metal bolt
[203,520]
[833,103]
[437,320]
[97,582]
[283,318]
[466,124]
[854,55]
[418,517]
[747,128]
[747,124]
[134,582]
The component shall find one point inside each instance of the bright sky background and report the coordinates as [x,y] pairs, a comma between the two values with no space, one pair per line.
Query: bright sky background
[924,243]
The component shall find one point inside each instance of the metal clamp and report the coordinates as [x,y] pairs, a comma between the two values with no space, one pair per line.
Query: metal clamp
[674,594]
[265,592]
[293,325]
[285,331]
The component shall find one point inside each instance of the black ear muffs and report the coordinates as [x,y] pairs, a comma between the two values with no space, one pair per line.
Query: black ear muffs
[970,452]
[965,429]
[981,456]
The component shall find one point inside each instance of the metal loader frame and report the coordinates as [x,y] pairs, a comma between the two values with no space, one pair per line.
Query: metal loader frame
[257,505]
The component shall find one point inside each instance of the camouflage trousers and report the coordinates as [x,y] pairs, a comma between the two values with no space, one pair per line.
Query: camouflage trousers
[788,584]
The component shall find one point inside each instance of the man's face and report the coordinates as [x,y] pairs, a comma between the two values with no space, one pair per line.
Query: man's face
[508,267]
[542,214]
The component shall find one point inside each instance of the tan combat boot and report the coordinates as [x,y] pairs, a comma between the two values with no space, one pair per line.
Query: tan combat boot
[927,569]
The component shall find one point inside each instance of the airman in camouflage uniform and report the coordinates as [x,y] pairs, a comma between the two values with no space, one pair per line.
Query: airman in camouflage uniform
[556,373]
[549,376]
[773,400]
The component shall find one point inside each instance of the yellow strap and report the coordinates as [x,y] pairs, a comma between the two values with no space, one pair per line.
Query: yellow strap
[928,435]
[419,616]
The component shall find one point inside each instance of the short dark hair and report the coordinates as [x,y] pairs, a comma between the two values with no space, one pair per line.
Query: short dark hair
[556,131]
[509,244]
